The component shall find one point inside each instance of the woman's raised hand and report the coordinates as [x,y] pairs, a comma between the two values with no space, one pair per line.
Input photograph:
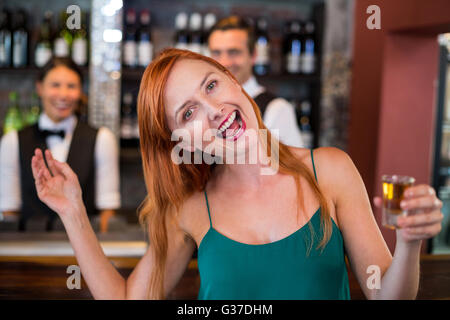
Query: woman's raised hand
[57,186]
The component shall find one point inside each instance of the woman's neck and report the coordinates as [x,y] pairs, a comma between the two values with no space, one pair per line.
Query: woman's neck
[247,176]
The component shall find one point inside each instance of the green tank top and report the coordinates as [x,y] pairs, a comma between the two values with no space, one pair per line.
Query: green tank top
[281,269]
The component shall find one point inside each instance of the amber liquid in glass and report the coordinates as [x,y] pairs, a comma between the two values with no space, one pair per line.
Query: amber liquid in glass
[392,196]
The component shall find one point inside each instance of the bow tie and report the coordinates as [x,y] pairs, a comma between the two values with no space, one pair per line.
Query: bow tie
[47,133]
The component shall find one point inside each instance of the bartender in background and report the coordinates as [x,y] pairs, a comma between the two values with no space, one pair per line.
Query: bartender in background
[92,153]
[231,42]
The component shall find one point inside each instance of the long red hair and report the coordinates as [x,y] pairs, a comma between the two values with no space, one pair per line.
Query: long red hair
[169,184]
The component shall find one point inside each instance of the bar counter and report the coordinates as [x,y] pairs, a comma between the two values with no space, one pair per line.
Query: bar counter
[34,266]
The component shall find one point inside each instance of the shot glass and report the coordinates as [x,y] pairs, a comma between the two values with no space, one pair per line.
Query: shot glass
[393,188]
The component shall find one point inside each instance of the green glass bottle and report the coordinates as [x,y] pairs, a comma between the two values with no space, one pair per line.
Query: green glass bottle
[80,43]
[13,118]
[63,39]
[32,114]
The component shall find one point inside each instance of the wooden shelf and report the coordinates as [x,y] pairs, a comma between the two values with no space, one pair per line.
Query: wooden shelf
[130,155]
[33,71]
[136,74]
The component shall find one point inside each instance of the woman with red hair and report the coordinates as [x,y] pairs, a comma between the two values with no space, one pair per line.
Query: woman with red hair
[282,235]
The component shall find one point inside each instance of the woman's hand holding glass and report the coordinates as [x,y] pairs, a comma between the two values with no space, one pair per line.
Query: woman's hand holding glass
[424,217]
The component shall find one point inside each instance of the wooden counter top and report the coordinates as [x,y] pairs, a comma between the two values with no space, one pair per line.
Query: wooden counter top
[45,278]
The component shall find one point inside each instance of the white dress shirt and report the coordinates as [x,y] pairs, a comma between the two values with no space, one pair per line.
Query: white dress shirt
[107,188]
[279,114]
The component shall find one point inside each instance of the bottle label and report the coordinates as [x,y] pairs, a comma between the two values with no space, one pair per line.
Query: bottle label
[182,46]
[293,63]
[5,48]
[195,47]
[205,51]
[20,49]
[262,53]
[61,48]
[145,53]
[17,54]
[79,51]
[308,63]
[42,56]
[2,53]
[129,53]
[308,138]
[308,60]
[126,129]
[135,128]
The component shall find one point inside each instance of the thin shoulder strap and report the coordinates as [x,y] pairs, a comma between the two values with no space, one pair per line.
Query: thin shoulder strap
[207,205]
[314,168]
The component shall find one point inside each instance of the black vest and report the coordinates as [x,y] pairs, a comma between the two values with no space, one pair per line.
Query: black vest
[263,99]
[80,158]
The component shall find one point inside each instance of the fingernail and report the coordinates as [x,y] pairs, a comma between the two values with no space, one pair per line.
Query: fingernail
[403,204]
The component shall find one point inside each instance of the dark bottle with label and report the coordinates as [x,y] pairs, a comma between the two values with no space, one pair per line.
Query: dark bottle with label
[5,39]
[196,35]
[144,38]
[208,21]
[293,48]
[182,34]
[31,115]
[127,122]
[309,52]
[305,124]
[130,41]
[63,38]
[129,127]
[262,48]
[13,119]
[43,50]
[80,43]
[20,39]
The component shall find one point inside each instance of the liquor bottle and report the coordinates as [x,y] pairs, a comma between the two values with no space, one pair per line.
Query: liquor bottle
[20,39]
[309,53]
[262,48]
[5,38]
[196,36]
[126,126]
[182,35]
[145,46]
[80,43]
[43,51]
[129,44]
[63,38]
[13,118]
[31,116]
[208,21]
[293,48]
[305,124]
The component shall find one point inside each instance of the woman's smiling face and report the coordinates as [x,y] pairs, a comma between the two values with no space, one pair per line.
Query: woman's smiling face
[60,92]
[199,97]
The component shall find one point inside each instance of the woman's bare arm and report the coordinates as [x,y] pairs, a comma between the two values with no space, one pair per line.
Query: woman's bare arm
[60,190]
[362,237]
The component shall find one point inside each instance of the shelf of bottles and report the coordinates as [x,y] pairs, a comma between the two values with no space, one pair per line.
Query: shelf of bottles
[299,59]
[293,72]
[25,48]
